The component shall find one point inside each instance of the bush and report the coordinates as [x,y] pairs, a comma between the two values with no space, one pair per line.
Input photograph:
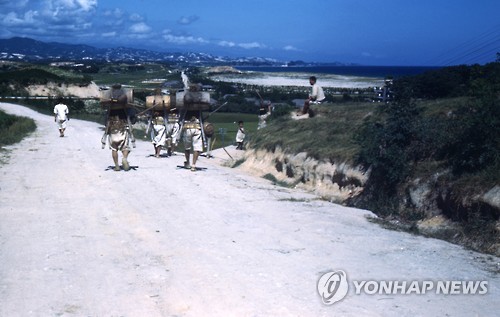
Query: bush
[402,135]
[387,142]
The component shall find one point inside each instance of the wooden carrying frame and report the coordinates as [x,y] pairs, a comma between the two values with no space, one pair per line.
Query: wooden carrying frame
[192,100]
[121,101]
[158,102]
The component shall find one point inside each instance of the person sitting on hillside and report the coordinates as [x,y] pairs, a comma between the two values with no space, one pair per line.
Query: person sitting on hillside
[317,96]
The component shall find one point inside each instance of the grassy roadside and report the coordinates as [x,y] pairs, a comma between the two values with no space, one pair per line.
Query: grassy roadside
[13,128]
[327,136]
[334,135]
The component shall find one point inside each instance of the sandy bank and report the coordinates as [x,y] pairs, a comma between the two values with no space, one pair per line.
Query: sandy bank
[299,79]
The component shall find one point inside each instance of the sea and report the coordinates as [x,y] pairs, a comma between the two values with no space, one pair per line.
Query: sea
[328,76]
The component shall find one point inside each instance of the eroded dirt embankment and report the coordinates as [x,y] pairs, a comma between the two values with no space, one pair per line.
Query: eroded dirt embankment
[330,180]
[53,89]
[343,183]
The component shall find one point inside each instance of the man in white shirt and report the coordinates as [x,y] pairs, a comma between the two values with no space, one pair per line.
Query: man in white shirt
[317,96]
[61,116]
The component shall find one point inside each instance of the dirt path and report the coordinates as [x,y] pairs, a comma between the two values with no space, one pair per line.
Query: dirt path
[77,239]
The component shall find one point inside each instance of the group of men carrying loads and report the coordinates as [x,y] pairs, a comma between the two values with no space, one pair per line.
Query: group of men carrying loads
[169,118]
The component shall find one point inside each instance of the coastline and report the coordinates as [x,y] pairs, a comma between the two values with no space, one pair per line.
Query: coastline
[299,79]
[361,77]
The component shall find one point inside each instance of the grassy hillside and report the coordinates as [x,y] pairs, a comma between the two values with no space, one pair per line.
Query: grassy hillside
[328,136]
[14,77]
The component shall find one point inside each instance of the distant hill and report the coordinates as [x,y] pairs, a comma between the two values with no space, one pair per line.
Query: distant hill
[30,50]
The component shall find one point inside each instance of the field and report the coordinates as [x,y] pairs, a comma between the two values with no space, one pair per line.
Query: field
[329,135]
[226,126]
[148,76]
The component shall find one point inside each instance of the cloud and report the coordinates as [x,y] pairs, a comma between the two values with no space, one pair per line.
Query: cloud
[140,28]
[188,20]
[43,14]
[71,5]
[182,39]
[290,48]
[11,19]
[109,34]
[81,20]
[251,45]
[87,5]
[9,4]
[136,17]
[115,13]
[226,44]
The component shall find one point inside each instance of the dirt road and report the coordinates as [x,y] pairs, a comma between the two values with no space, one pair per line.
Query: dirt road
[79,239]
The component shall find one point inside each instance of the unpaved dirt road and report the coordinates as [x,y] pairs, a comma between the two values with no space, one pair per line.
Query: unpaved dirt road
[77,239]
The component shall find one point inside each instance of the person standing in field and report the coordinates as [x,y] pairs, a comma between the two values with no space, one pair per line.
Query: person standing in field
[61,116]
[317,96]
[240,136]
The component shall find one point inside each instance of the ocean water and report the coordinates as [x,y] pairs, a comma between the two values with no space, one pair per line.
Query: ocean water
[328,76]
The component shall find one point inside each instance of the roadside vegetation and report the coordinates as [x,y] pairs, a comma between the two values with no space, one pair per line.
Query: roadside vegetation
[441,135]
[442,132]
[14,128]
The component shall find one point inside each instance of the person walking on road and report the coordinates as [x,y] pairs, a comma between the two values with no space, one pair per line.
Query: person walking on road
[61,116]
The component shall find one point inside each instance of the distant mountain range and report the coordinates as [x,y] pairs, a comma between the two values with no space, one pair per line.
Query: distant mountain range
[30,50]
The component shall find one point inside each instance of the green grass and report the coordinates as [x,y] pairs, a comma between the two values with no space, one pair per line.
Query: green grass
[13,128]
[328,135]
[138,78]
[229,122]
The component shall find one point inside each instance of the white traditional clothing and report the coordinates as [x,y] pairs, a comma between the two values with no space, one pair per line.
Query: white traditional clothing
[173,130]
[192,136]
[317,95]
[240,135]
[61,113]
[119,136]
[158,133]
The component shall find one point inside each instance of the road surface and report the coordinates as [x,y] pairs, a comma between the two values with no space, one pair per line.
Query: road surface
[79,239]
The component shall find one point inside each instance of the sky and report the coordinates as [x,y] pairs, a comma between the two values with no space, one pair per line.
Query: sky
[366,32]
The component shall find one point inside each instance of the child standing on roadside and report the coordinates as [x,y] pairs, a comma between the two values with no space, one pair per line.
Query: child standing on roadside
[240,136]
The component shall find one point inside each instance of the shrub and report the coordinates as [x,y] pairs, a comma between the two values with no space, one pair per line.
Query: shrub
[402,135]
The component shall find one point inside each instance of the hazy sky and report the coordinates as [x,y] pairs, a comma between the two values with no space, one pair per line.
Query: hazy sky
[368,32]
